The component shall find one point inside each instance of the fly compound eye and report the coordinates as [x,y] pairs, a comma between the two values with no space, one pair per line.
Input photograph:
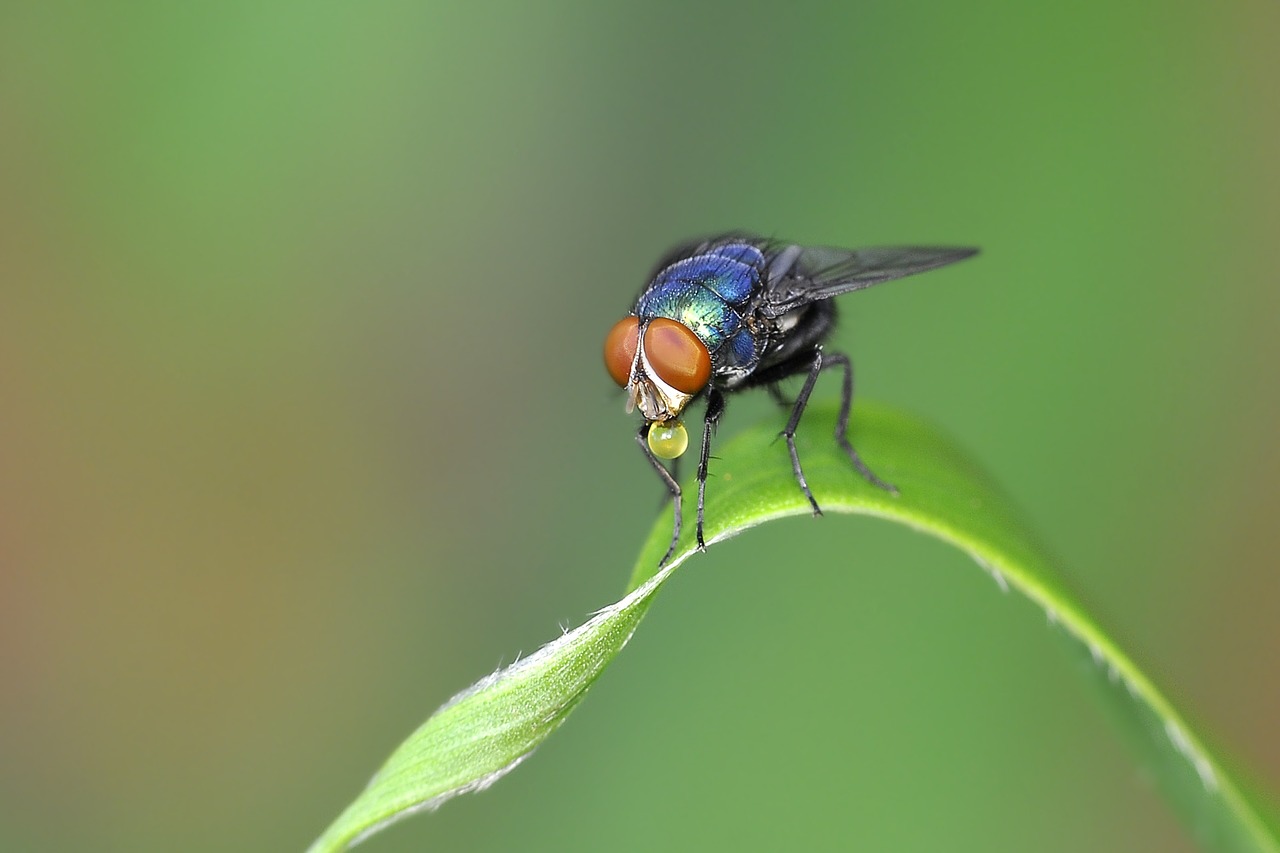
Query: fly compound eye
[620,349]
[677,356]
[668,440]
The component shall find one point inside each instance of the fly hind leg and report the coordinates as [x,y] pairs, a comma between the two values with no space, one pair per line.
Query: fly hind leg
[817,364]
[842,423]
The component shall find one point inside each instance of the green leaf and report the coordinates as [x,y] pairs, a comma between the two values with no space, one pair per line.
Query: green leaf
[492,726]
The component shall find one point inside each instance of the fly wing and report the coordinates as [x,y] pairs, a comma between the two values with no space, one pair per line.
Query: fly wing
[800,275]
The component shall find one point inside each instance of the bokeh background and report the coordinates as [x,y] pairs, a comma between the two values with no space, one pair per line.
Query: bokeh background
[304,426]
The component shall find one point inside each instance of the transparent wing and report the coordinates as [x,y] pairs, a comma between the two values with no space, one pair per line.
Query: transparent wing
[799,275]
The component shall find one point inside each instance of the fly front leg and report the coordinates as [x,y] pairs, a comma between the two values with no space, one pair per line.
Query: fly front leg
[642,438]
[715,408]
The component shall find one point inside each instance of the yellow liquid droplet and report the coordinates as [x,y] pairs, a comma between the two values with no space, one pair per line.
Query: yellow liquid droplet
[668,440]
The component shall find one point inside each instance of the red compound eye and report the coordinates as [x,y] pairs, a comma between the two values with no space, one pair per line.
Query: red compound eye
[677,355]
[620,349]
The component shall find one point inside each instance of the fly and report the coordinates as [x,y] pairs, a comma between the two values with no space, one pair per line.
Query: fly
[735,312]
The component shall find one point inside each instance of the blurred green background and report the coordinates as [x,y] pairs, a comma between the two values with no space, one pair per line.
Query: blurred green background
[305,428]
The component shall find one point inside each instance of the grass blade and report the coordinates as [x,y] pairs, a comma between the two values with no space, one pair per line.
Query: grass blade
[485,731]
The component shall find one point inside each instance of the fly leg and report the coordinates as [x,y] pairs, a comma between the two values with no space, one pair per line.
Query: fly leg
[715,408]
[642,438]
[789,433]
[842,424]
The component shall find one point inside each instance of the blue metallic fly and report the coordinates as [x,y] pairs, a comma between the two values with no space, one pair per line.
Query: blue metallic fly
[736,312]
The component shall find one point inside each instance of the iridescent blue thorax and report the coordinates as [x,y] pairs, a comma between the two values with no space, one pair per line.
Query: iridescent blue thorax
[708,293]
